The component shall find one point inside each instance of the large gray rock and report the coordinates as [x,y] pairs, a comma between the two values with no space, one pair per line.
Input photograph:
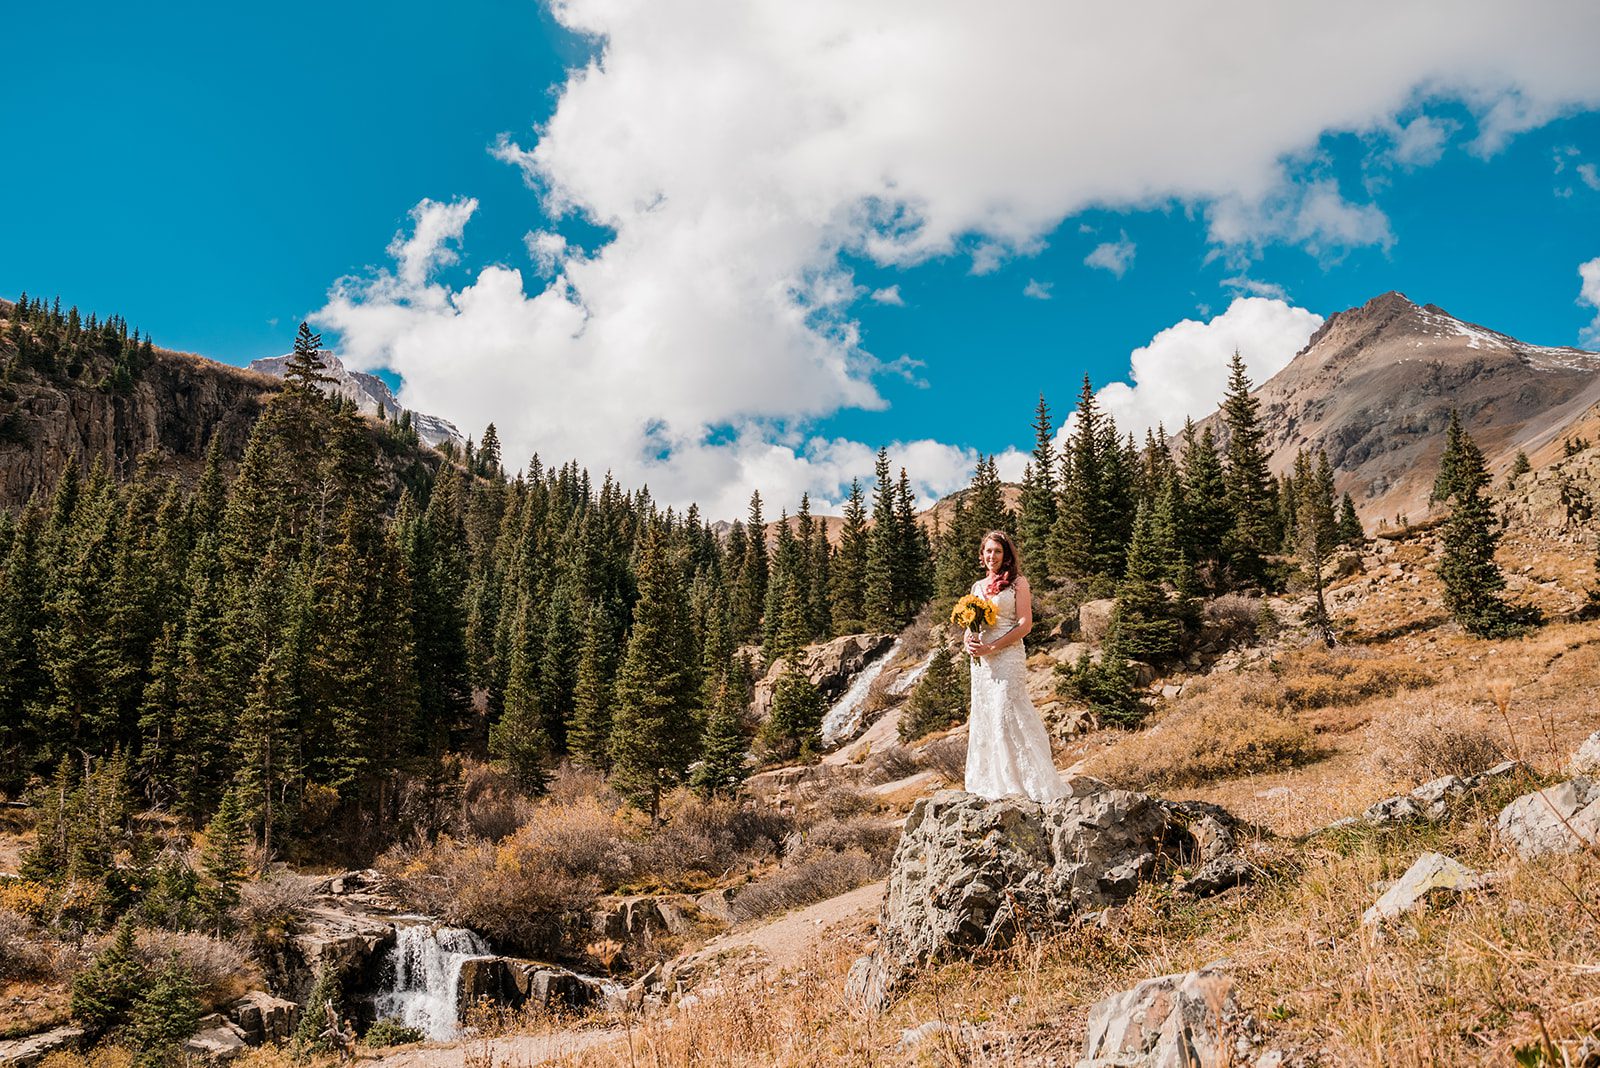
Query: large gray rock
[1094,618]
[31,1049]
[352,945]
[1174,1021]
[513,983]
[1557,819]
[972,874]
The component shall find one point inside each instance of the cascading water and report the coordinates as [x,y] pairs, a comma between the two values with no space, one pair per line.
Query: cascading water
[903,684]
[426,963]
[844,717]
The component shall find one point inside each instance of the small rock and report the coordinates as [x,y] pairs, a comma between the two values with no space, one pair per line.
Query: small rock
[217,1043]
[31,1049]
[1219,874]
[1393,810]
[1174,1020]
[1557,819]
[1432,871]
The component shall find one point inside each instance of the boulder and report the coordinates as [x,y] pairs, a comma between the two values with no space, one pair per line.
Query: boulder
[1586,761]
[261,1017]
[1434,799]
[972,874]
[1558,819]
[1094,618]
[1431,872]
[31,1049]
[1174,1021]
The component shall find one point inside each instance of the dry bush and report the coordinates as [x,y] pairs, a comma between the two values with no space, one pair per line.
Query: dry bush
[1417,745]
[28,952]
[223,970]
[491,805]
[266,910]
[1232,619]
[101,1056]
[1192,748]
[947,756]
[702,840]
[890,764]
[1315,678]
[873,837]
[570,783]
[841,800]
[817,878]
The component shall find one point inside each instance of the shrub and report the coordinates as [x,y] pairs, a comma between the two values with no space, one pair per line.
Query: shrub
[308,1033]
[1109,687]
[873,837]
[266,910]
[25,950]
[1232,618]
[391,1032]
[1419,745]
[947,756]
[890,764]
[220,970]
[1189,749]
[814,879]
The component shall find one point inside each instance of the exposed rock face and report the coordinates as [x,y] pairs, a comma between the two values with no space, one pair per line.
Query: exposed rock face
[1432,872]
[1173,1021]
[178,407]
[262,1018]
[31,1049]
[830,667]
[1558,819]
[514,983]
[1375,385]
[370,393]
[351,945]
[972,874]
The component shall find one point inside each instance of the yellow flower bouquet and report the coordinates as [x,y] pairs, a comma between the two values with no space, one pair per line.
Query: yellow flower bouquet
[974,613]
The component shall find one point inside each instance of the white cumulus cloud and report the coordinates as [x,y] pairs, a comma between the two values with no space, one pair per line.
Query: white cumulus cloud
[1037,290]
[889,295]
[1114,256]
[741,152]
[1183,371]
[1589,293]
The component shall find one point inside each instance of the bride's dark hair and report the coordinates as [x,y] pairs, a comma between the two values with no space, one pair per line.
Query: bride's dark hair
[1010,562]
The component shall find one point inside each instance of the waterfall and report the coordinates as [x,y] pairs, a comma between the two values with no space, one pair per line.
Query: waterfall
[903,684]
[844,717]
[426,967]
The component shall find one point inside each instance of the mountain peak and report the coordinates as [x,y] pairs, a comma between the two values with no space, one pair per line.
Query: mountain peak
[369,392]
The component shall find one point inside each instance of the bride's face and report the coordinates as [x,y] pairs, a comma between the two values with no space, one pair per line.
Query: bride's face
[992,556]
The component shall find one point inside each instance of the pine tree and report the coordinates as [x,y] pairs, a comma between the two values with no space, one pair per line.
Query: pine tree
[165,1012]
[724,761]
[306,370]
[941,698]
[1039,494]
[263,746]
[1073,548]
[1248,482]
[1145,620]
[1316,533]
[1519,467]
[489,454]
[1108,687]
[653,732]
[327,995]
[103,992]
[883,548]
[1350,531]
[793,728]
[1458,464]
[590,736]
[1472,580]
[519,737]
[914,565]
[750,594]
[224,861]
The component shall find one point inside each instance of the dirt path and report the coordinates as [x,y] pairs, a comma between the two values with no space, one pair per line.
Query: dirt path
[507,1051]
[784,941]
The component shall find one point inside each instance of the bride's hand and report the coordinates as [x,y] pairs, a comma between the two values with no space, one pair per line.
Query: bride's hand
[974,646]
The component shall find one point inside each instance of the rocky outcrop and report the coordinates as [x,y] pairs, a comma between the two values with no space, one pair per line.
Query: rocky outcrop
[1434,800]
[1564,818]
[1172,1021]
[217,1041]
[179,406]
[972,874]
[830,666]
[513,983]
[31,1049]
[261,1017]
[351,945]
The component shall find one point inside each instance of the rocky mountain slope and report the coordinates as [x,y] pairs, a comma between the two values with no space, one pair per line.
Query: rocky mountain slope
[370,394]
[1375,385]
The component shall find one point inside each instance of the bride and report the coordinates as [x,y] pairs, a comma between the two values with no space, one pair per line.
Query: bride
[1008,751]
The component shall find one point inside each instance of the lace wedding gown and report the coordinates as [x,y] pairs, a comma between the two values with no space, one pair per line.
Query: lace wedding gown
[1008,751]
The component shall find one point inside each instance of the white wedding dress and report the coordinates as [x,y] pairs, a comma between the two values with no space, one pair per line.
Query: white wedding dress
[1008,751]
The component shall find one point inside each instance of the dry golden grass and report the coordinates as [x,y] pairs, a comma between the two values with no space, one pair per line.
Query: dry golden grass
[1432,739]
[1191,748]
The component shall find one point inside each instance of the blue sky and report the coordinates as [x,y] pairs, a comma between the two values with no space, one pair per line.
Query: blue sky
[776,237]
